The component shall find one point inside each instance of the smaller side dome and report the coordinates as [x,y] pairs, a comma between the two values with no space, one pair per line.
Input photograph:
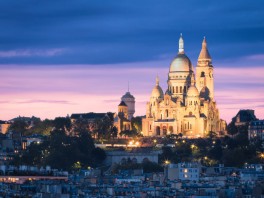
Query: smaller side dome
[192,91]
[157,92]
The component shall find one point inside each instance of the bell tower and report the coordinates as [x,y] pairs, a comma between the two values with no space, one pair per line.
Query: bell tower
[204,71]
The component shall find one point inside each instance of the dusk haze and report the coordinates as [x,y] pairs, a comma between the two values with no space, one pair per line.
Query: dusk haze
[63,57]
[132,98]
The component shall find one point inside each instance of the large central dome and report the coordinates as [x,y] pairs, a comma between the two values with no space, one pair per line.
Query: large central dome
[181,63]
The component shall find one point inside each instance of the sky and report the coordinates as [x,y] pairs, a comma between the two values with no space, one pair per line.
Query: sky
[62,57]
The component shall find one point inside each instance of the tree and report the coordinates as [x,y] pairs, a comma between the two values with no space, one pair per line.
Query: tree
[167,154]
[103,127]
[231,127]
[129,133]
[41,127]
[180,135]
[211,134]
[136,124]
[114,132]
[62,123]
[19,126]
[63,152]
[234,157]
[151,167]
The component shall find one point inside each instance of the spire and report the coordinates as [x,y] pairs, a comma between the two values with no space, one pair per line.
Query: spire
[204,54]
[192,80]
[181,45]
[204,44]
[157,80]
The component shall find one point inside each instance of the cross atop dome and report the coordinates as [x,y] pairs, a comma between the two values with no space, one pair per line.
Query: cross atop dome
[157,80]
[181,45]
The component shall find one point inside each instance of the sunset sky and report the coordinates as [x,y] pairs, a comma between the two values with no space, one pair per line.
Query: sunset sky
[62,57]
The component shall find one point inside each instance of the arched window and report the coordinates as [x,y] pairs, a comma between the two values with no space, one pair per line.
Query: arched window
[158,130]
[160,116]
[164,130]
[134,160]
[123,161]
[190,113]
[190,126]
[184,89]
[149,127]
[172,89]
[180,89]
[167,113]
[202,74]
[177,89]
[145,160]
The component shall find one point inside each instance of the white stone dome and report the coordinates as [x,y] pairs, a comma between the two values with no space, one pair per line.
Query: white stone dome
[181,63]
[157,92]
[192,91]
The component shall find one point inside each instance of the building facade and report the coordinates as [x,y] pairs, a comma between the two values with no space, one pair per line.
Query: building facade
[188,105]
[244,117]
[256,130]
[183,171]
[126,110]
[4,126]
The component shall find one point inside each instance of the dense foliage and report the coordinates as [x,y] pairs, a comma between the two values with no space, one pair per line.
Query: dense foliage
[210,151]
[147,166]
[63,152]
[137,124]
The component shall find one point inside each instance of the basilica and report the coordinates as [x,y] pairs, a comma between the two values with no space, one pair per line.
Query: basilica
[188,106]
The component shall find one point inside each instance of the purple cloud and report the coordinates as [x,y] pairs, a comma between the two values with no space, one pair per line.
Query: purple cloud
[46,101]
[31,52]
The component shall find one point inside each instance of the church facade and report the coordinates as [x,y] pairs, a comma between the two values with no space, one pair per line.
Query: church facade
[126,110]
[188,105]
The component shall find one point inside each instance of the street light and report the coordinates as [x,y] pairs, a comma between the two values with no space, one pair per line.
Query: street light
[166,162]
